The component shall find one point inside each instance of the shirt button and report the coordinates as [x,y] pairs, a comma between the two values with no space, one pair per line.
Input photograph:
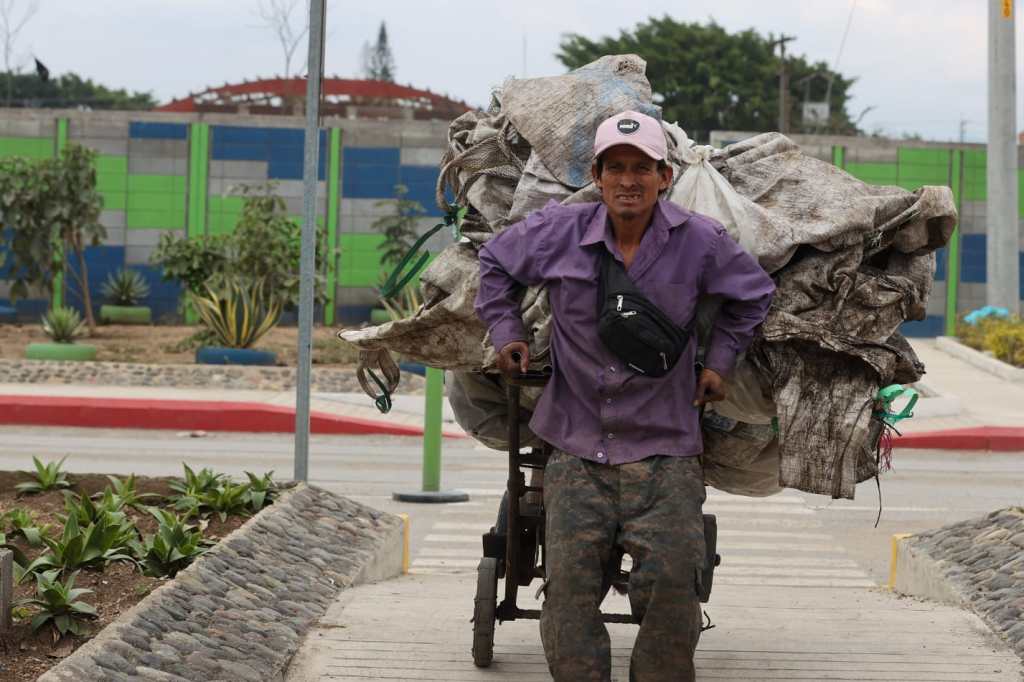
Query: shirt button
[600,455]
[611,369]
[611,436]
[609,401]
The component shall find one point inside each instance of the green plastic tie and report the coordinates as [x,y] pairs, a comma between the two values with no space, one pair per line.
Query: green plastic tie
[397,280]
[890,394]
[383,401]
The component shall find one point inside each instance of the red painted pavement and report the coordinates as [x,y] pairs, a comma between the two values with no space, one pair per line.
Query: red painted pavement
[191,415]
[993,438]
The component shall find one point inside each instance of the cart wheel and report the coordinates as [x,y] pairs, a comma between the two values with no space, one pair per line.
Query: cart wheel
[484,607]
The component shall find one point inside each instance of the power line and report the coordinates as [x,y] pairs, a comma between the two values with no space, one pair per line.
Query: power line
[846,32]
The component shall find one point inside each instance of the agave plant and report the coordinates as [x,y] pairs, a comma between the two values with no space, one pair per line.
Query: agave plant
[98,544]
[174,546]
[23,522]
[237,310]
[63,325]
[125,287]
[58,602]
[47,477]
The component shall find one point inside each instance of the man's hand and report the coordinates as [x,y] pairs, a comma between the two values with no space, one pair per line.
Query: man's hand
[710,388]
[514,358]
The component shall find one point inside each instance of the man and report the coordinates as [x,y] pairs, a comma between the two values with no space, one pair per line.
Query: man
[626,468]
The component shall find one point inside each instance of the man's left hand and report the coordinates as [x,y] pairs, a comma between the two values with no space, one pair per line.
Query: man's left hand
[710,388]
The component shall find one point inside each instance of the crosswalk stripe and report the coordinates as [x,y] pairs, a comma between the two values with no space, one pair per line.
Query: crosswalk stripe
[451,525]
[766,510]
[730,533]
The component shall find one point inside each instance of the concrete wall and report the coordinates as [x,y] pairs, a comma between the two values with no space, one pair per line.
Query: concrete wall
[147,170]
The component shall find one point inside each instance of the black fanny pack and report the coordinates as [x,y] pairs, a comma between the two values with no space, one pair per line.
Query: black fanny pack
[634,329]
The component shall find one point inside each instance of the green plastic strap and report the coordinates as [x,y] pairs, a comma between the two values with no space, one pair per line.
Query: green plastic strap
[891,393]
[397,280]
[383,401]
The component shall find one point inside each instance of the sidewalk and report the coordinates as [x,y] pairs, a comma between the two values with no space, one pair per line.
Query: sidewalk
[788,604]
[190,409]
[960,404]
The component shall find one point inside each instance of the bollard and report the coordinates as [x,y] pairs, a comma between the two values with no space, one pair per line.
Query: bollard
[6,588]
[432,416]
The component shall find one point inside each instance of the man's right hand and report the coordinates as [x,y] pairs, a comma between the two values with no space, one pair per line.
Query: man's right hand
[514,359]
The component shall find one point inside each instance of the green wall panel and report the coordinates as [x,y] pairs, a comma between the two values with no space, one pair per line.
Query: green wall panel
[156,201]
[30,147]
[148,220]
[223,213]
[874,173]
[110,164]
[112,181]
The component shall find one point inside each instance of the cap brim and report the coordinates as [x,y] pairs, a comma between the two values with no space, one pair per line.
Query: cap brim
[642,147]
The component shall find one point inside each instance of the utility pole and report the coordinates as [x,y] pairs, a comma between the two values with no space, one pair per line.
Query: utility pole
[783,83]
[1002,288]
[307,259]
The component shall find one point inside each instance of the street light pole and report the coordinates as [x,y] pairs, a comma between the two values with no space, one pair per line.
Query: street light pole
[1002,287]
[783,84]
[307,261]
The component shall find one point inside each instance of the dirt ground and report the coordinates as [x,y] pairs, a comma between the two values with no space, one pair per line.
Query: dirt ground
[166,344]
[120,586]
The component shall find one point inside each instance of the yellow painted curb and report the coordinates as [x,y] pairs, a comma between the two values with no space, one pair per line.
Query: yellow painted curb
[896,539]
[405,543]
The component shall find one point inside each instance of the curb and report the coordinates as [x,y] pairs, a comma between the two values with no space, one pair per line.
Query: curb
[983,438]
[951,346]
[241,611]
[184,415]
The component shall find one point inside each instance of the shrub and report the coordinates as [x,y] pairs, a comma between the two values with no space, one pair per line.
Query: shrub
[239,312]
[47,477]
[63,325]
[265,245]
[174,546]
[125,492]
[125,287]
[58,603]
[86,511]
[1006,341]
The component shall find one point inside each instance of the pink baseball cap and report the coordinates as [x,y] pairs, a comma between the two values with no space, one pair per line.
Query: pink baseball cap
[632,128]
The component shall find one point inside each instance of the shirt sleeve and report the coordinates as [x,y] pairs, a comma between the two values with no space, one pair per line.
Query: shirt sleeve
[747,290]
[516,258]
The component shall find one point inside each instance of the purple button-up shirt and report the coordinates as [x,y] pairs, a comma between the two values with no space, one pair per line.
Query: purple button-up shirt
[594,407]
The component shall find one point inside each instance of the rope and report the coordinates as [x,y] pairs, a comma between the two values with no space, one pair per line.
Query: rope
[398,280]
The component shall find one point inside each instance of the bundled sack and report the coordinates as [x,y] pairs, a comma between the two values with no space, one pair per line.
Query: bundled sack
[851,262]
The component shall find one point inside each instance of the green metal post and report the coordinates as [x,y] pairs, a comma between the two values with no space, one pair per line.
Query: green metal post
[333,199]
[198,188]
[432,430]
[839,156]
[57,299]
[956,177]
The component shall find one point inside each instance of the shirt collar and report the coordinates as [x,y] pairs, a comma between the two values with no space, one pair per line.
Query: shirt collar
[667,216]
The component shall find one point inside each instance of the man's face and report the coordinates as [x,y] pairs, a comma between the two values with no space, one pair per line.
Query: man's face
[630,181]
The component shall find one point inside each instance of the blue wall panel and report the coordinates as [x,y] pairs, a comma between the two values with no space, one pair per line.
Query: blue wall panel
[29,311]
[370,172]
[163,295]
[281,148]
[158,131]
[972,258]
[933,325]
[941,259]
[422,184]
[101,261]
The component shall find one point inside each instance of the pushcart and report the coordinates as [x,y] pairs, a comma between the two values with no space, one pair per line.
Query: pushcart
[513,549]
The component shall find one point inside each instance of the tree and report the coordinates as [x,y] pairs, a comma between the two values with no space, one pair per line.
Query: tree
[708,79]
[277,15]
[50,205]
[11,22]
[378,62]
[71,91]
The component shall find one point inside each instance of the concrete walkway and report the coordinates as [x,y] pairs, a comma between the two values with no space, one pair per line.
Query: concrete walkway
[788,604]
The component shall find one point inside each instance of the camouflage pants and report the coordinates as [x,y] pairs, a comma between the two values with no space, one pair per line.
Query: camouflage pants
[652,509]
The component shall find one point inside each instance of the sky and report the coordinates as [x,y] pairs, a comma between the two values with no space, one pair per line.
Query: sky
[920,65]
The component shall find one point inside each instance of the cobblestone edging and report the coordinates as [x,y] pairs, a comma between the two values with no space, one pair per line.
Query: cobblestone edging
[239,613]
[978,564]
[324,379]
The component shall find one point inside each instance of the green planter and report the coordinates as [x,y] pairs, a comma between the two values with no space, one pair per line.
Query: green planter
[71,352]
[126,314]
[379,316]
